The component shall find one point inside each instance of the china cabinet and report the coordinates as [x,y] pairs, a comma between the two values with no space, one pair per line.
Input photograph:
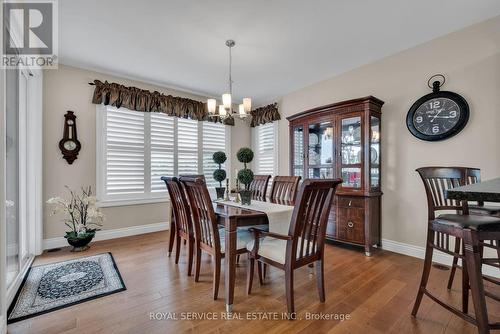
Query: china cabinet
[343,140]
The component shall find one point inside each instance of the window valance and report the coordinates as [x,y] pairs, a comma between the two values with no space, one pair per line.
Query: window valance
[137,99]
[266,114]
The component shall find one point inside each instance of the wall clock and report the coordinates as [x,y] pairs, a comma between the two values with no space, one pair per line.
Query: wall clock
[69,144]
[438,115]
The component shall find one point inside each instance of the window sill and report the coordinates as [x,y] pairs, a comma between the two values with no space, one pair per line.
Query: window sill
[127,202]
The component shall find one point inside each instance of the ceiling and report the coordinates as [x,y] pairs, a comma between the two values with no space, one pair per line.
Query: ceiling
[281,45]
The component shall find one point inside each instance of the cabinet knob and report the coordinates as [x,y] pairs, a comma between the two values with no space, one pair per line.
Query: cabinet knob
[350,202]
[350,224]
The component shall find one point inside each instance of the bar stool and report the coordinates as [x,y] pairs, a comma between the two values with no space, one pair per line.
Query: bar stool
[476,232]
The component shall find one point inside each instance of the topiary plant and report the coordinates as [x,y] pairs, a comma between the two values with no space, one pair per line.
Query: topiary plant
[244,155]
[219,158]
[245,176]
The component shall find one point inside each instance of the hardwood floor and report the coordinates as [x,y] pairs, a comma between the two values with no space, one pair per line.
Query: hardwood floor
[377,292]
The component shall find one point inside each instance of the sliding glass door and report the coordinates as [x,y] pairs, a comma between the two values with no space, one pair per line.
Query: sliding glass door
[12,174]
[16,176]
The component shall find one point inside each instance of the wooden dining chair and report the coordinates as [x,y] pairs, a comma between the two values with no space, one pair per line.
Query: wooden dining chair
[182,222]
[284,189]
[472,176]
[475,231]
[259,186]
[208,236]
[304,243]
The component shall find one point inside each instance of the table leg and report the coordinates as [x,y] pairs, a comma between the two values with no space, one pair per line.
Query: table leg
[230,262]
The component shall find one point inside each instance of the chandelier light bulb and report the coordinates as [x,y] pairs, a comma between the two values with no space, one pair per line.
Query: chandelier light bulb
[241,109]
[222,111]
[247,103]
[211,104]
[226,100]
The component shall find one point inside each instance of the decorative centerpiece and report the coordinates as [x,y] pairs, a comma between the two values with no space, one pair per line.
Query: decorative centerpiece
[219,174]
[245,176]
[81,215]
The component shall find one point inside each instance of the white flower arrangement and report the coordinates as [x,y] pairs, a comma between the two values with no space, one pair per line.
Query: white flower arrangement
[81,214]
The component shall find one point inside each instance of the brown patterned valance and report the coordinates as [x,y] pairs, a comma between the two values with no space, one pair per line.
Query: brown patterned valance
[144,100]
[266,114]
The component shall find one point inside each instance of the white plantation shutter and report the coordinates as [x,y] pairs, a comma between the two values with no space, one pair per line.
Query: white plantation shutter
[264,148]
[135,149]
[124,145]
[214,139]
[187,146]
[162,149]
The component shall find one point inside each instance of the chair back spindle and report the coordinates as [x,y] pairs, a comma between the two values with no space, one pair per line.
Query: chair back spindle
[204,218]
[309,218]
[259,186]
[180,207]
[284,188]
[437,180]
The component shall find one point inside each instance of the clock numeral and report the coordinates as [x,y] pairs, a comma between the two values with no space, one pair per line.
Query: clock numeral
[453,113]
[435,129]
[419,119]
[434,104]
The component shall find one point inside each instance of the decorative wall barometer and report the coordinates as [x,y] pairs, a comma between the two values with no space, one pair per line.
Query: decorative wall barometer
[69,144]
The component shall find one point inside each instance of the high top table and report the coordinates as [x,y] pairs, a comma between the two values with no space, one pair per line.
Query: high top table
[486,191]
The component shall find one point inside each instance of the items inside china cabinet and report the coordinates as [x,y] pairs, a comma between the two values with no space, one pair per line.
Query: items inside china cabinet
[343,140]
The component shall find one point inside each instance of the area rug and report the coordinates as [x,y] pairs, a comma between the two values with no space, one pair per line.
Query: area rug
[54,286]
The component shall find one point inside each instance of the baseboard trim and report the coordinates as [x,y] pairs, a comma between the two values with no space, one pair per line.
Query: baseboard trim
[438,257]
[111,234]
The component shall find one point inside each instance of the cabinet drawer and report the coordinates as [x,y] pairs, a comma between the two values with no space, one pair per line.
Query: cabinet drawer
[351,225]
[350,202]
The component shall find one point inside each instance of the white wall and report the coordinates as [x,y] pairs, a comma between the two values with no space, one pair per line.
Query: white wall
[65,89]
[470,60]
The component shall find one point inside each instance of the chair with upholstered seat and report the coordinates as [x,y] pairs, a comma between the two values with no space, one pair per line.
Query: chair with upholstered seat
[209,237]
[284,189]
[182,223]
[304,243]
[475,231]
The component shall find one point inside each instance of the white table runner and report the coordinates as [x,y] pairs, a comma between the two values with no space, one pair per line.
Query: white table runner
[279,216]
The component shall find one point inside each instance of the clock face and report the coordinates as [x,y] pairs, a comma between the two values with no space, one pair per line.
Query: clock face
[437,116]
[70,122]
[69,145]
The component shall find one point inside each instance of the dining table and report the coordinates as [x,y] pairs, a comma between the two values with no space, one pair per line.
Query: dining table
[485,191]
[233,215]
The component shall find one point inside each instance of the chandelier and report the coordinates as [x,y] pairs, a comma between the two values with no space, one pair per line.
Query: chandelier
[226,108]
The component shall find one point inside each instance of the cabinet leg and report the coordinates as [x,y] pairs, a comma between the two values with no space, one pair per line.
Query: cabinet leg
[368,250]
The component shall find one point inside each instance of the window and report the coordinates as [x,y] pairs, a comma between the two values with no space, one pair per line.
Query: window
[213,140]
[265,149]
[135,149]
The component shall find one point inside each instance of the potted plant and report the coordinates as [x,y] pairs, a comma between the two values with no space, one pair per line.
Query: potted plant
[245,176]
[81,215]
[219,174]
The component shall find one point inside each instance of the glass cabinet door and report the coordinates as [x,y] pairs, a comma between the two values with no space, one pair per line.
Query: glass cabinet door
[298,151]
[320,150]
[351,152]
[374,152]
